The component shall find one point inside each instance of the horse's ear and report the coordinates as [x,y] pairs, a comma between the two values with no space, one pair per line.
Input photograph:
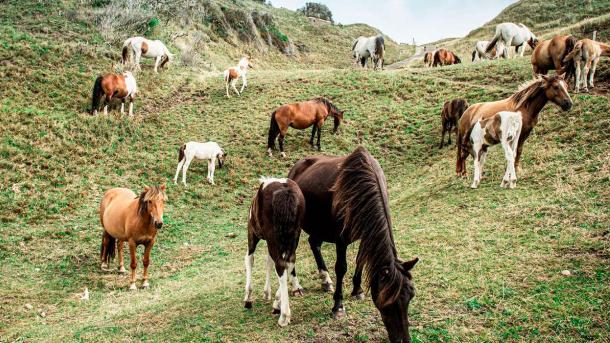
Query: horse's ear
[408,265]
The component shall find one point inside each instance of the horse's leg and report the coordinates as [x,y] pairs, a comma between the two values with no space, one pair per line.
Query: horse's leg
[313,133]
[357,291]
[585,75]
[180,164]
[510,160]
[451,125]
[577,71]
[211,168]
[592,71]
[189,159]
[122,106]
[340,270]
[233,86]
[249,262]
[315,245]
[281,141]
[227,88]
[244,83]
[121,260]
[105,242]
[133,265]
[442,138]
[146,263]
[477,168]
[297,290]
[131,106]
[267,289]
[107,99]
[138,55]
[285,313]
[319,134]
[483,159]
[157,62]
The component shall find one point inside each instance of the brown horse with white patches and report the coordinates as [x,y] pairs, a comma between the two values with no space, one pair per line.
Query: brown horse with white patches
[133,219]
[549,55]
[444,57]
[111,86]
[301,115]
[451,113]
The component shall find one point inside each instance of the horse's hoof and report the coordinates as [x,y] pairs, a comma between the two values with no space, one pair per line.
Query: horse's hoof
[122,270]
[247,304]
[473,186]
[283,154]
[339,314]
[266,295]
[104,266]
[145,285]
[133,287]
[297,292]
[276,311]
[358,296]
[328,287]
[283,321]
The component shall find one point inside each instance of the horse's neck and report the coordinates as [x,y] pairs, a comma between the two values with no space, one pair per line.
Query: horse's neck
[530,110]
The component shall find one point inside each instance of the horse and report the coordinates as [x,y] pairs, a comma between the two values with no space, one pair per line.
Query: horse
[479,50]
[301,115]
[504,127]
[140,46]
[136,220]
[445,57]
[549,55]
[451,113]
[585,56]
[530,99]
[210,151]
[373,47]
[276,216]
[231,75]
[428,58]
[120,86]
[347,201]
[510,34]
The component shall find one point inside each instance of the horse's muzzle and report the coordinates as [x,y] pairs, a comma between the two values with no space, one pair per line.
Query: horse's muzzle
[158,225]
[566,105]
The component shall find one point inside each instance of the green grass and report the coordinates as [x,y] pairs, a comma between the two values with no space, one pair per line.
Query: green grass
[491,259]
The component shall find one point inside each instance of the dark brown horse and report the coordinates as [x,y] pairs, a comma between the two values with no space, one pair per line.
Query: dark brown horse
[451,113]
[301,115]
[347,201]
[276,216]
[444,57]
[111,86]
[530,99]
[549,55]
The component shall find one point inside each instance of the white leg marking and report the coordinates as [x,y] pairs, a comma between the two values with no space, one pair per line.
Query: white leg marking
[284,305]
[133,287]
[131,108]
[267,289]
[180,164]
[185,168]
[249,261]
[106,110]
[122,108]
[146,284]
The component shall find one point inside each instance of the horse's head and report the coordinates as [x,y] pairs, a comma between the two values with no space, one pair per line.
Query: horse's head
[221,158]
[338,118]
[556,90]
[392,289]
[457,59]
[151,203]
[532,42]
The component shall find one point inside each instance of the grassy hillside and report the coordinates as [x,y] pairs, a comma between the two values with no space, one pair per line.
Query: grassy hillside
[491,259]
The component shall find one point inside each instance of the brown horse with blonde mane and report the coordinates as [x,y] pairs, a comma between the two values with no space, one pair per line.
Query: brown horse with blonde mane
[444,57]
[136,220]
[549,55]
[111,86]
[301,115]
[530,99]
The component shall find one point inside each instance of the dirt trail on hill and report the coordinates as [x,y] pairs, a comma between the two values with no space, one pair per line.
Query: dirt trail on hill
[419,54]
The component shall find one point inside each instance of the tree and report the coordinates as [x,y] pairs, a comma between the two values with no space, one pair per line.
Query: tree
[317,10]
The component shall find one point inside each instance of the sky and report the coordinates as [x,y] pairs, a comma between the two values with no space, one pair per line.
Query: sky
[403,20]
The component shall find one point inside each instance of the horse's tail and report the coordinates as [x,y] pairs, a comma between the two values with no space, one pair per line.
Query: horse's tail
[98,92]
[492,43]
[354,44]
[285,204]
[110,247]
[575,51]
[568,67]
[181,152]
[274,129]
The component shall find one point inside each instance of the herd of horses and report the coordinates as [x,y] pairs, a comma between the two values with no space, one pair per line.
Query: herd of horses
[341,199]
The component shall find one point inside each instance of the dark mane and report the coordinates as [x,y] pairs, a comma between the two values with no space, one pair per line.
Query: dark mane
[329,105]
[527,91]
[152,194]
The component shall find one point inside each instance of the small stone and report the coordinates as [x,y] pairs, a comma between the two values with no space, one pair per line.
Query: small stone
[231,235]
[29,306]
[43,314]
[37,269]
[566,272]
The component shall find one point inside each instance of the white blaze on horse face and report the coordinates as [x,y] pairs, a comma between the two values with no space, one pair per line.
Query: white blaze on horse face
[266,181]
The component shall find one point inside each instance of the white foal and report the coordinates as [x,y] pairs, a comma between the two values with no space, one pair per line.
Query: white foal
[232,74]
[210,151]
[136,47]
[504,128]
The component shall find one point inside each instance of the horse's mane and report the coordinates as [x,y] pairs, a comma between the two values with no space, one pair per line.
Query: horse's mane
[360,201]
[526,91]
[331,107]
[153,193]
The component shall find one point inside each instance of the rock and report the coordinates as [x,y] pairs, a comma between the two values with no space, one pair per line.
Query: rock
[29,306]
[566,272]
[85,295]
[231,235]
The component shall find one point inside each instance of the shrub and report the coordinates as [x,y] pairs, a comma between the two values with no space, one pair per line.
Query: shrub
[317,10]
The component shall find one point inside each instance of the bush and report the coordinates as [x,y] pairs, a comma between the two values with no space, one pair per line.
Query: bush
[314,9]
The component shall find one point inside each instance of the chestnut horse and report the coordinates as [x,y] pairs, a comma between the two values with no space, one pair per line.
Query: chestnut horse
[585,56]
[347,200]
[276,216]
[530,99]
[110,86]
[428,59]
[549,55]
[301,115]
[445,57]
[133,219]
[451,113]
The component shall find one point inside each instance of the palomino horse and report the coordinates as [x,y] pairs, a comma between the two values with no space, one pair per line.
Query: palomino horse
[586,54]
[510,34]
[549,55]
[530,99]
[120,86]
[140,46]
[232,74]
[133,219]
[209,151]
[479,50]
[428,58]
[301,115]
[373,47]
[504,127]
[451,113]
[445,57]
[276,216]
[347,201]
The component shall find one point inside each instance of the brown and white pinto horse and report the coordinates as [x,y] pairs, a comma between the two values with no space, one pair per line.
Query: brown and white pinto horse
[443,57]
[549,55]
[276,216]
[347,201]
[111,86]
[231,75]
[530,99]
[451,113]
[301,115]
[133,219]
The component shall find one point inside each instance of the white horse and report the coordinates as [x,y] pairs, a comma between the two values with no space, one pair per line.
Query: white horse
[365,47]
[140,46]
[510,34]
[504,127]
[210,151]
[232,74]
[479,50]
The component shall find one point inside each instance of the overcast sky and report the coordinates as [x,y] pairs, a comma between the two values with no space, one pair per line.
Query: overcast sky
[403,20]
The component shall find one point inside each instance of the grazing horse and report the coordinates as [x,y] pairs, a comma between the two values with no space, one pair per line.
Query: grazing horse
[510,34]
[209,151]
[451,113]
[445,57]
[133,219]
[373,47]
[276,216]
[136,47]
[504,127]
[479,50]
[347,201]
[585,56]
[549,55]
[530,99]
[301,115]
[120,86]
[232,74]
[428,59]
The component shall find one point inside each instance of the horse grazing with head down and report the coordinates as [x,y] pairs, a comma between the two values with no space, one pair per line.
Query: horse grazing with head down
[428,58]
[510,34]
[231,75]
[136,47]
[479,50]
[276,216]
[136,220]
[530,99]
[347,201]
[549,55]
[301,115]
[585,56]
[443,57]
[110,86]
[369,47]
[451,113]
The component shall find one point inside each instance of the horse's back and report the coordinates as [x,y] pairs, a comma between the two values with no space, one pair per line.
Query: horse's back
[478,111]
[113,203]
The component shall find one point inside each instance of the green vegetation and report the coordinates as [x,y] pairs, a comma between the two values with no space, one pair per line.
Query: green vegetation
[491,259]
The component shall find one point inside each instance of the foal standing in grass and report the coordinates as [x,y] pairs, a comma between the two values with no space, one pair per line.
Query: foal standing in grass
[232,74]
[276,216]
[210,151]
